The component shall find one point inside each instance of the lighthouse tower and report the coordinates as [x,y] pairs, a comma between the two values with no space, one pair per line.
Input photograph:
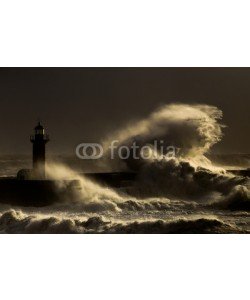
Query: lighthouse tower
[39,140]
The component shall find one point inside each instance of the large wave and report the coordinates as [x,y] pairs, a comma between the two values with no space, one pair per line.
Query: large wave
[191,129]
[90,197]
[190,175]
[13,221]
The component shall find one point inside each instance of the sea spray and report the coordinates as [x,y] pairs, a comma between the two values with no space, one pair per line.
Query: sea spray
[91,196]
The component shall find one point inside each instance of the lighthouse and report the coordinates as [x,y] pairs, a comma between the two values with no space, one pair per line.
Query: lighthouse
[39,140]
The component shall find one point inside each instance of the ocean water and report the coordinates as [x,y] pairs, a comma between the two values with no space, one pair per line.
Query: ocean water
[161,204]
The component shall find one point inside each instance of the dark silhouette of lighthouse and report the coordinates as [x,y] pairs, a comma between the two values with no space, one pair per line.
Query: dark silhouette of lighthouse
[39,140]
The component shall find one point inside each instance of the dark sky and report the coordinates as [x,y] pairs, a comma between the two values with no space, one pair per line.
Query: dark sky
[84,104]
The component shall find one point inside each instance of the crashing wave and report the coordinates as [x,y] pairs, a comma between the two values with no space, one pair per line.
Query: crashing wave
[17,222]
